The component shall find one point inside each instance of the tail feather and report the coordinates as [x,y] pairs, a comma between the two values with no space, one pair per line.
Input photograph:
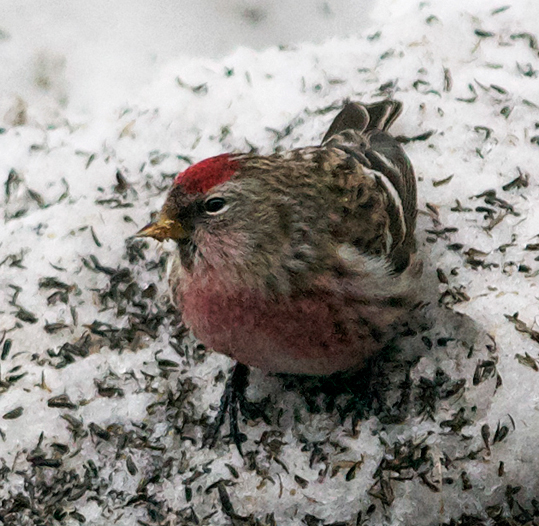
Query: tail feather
[365,117]
[383,114]
[353,116]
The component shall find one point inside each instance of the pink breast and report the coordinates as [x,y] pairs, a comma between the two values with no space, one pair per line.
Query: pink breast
[314,334]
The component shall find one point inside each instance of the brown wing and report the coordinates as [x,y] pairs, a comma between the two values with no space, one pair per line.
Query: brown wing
[380,212]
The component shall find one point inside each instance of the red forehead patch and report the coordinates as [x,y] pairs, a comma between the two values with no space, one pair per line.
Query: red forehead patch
[204,175]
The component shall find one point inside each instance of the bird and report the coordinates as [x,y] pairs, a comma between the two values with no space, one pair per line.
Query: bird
[301,262]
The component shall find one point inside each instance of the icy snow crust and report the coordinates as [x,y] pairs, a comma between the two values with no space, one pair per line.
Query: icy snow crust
[105,396]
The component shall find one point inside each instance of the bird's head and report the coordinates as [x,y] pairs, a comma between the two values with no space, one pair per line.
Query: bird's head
[194,198]
[224,211]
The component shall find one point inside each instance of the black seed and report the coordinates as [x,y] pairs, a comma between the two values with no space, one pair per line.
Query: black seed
[122,185]
[53,283]
[483,34]
[94,237]
[131,466]
[466,484]
[427,342]
[6,348]
[59,296]
[442,181]
[455,246]
[165,364]
[62,449]
[13,414]
[52,328]
[501,433]
[78,516]
[109,391]
[233,470]
[26,316]
[41,461]
[99,431]
[61,401]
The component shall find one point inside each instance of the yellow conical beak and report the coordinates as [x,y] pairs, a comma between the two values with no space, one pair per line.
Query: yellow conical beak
[162,229]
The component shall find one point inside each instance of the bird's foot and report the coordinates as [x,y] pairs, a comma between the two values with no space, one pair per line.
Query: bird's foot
[234,402]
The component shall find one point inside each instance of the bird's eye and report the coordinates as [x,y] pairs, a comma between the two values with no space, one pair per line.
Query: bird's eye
[215,205]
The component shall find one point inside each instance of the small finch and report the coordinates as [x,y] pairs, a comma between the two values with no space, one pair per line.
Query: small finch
[299,262]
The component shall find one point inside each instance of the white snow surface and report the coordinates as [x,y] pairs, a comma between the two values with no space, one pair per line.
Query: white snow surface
[125,445]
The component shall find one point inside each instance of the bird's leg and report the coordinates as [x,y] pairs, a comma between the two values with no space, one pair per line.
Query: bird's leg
[232,400]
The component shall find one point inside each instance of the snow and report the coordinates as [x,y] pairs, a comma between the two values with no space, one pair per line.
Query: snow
[93,56]
[99,115]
